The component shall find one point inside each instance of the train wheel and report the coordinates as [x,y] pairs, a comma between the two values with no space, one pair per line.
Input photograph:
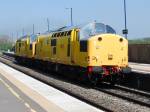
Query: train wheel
[114,79]
[112,83]
[93,78]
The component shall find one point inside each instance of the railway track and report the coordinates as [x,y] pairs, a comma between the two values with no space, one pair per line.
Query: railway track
[8,57]
[108,98]
[132,95]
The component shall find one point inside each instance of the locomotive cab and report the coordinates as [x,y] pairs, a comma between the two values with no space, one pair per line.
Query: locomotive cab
[107,52]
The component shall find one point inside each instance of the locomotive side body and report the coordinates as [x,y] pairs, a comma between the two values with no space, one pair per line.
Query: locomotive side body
[21,46]
[42,50]
[31,46]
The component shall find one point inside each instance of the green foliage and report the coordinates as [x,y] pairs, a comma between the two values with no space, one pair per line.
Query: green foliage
[6,46]
[140,41]
[6,43]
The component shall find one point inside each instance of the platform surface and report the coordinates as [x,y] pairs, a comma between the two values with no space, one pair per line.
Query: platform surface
[11,102]
[139,67]
[49,98]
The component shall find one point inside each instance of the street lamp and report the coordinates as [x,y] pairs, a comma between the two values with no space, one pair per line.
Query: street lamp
[125,31]
[47,24]
[17,34]
[12,37]
[33,29]
[23,32]
[71,18]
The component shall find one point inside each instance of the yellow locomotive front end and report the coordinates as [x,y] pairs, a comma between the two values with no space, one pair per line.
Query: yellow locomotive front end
[108,50]
[107,53]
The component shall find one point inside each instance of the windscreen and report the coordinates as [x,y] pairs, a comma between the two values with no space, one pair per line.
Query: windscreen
[93,29]
[109,29]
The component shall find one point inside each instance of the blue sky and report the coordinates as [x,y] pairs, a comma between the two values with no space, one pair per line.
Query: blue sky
[18,14]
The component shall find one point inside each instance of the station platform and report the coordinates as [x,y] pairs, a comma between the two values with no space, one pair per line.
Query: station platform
[26,94]
[140,68]
[10,100]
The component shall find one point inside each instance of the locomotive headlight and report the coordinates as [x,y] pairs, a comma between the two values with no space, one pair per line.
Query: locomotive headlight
[121,39]
[100,39]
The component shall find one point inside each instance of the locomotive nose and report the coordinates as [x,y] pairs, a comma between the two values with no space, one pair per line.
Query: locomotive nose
[109,49]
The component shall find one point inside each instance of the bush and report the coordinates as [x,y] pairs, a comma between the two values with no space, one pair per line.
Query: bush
[140,41]
[6,46]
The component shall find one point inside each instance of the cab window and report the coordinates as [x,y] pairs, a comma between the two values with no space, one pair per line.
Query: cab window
[19,44]
[110,29]
[53,42]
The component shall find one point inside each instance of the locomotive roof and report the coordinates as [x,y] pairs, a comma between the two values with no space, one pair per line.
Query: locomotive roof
[22,38]
[68,28]
[25,36]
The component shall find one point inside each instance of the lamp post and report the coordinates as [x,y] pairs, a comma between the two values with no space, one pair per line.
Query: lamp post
[33,29]
[71,18]
[12,37]
[17,34]
[23,32]
[47,24]
[125,31]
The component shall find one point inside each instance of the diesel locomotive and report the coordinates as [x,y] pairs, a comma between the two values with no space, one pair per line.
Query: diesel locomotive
[92,52]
